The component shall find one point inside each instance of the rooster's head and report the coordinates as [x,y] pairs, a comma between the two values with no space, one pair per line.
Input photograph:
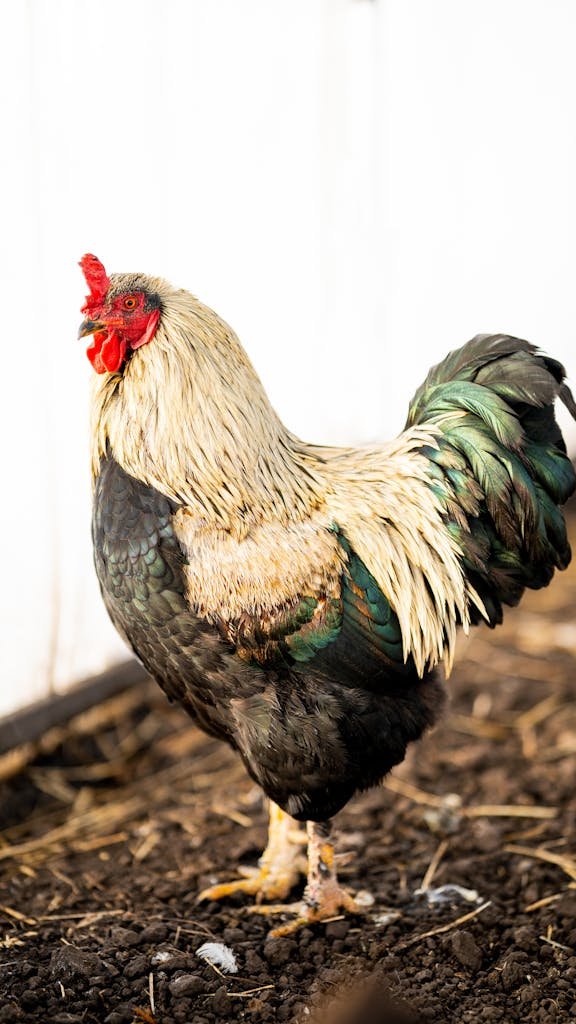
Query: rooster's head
[121,316]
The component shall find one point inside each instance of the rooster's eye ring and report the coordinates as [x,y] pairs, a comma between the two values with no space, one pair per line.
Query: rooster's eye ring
[129,302]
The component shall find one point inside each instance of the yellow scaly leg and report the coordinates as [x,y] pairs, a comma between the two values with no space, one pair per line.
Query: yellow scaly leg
[323,897]
[280,866]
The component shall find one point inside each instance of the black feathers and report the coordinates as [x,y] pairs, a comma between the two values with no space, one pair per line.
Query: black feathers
[500,469]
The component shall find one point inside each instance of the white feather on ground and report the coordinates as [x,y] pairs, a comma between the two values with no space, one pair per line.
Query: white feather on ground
[218,955]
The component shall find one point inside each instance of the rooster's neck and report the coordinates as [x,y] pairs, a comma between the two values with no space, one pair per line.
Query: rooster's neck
[190,417]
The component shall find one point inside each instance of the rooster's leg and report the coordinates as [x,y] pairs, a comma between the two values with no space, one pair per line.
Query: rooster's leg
[324,898]
[280,866]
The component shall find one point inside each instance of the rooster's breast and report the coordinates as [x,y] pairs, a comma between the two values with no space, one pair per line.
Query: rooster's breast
[140,567]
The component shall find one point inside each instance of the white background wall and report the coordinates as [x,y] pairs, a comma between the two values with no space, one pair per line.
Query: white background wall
[356,185]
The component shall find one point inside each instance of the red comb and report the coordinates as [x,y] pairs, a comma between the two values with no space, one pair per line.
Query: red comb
[97,280]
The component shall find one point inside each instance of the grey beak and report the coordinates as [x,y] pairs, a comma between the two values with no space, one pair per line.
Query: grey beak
[90,327]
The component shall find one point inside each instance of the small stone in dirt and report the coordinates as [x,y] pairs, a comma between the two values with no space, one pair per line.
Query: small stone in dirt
[182,1011]
[187,985]
[514,973]
[529,994]
[10,1013]
[121,1014]
[71,962]
[164,890]
[253,963]
[492,979]
[153,933]
[138,966]
[279,951]
[337,929]
[124,937]
[181,963]
[172,962]
[524,938]
[221,1004]
[465,950]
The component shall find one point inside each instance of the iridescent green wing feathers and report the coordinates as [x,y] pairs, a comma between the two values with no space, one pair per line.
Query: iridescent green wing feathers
[500,468]
[354,631]
[369,646]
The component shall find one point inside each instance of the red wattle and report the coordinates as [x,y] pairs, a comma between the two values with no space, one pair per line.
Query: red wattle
[113,352]
[106,352]
[93,351]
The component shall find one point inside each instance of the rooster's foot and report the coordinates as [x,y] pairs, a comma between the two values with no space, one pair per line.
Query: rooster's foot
[262,883]
[330,903]
[281,865]
[324,897]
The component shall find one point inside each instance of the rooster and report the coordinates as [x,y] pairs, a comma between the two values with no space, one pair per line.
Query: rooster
[296,600]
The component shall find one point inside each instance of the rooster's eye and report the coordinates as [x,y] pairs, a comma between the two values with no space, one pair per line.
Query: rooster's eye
[129,302]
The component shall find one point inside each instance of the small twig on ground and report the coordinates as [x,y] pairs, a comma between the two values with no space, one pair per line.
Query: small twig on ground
[10,912]
[419,796]
[249,992]
[544,902]
[509,811]
[88,821]
[84,919]
[213,966]
[444,927]
[229,812]
[64,878]
[568,864]
[146,846]
[538,713]
[482,728]
[85,845]
[534,832]
[557,945]
[412,792]
[431,869]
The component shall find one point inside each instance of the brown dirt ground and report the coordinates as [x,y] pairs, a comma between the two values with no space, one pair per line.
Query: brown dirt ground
[111,831]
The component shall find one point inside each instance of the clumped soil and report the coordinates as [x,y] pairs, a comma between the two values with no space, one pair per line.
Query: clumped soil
[110,832]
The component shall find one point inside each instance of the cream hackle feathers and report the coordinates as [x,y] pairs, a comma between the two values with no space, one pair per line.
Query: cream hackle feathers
[189,416]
